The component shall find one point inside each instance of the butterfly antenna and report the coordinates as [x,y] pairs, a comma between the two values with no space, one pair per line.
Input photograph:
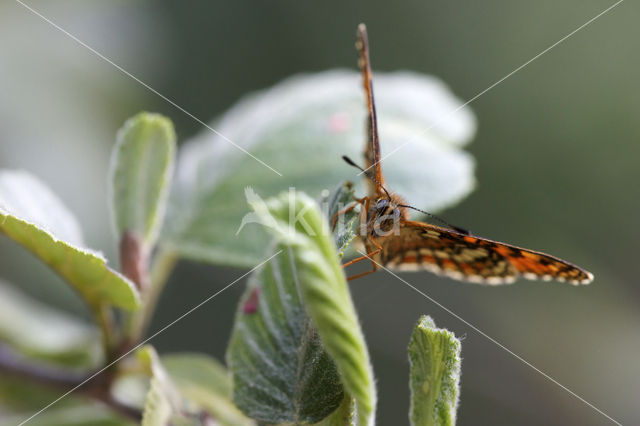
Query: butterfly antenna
[439,219]
[351,163]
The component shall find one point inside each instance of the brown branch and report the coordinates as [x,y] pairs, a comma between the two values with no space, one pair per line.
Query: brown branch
[97,388]
[134,259]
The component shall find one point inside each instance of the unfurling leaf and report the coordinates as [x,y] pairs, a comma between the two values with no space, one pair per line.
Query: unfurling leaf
[434,354]
[141,169]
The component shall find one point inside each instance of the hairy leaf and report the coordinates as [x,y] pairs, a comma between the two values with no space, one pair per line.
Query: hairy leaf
[141,168]
[434,354]
[31,215]
[24,196]
[301,128]
[309,251]
[345,415]
[281,373]
[343,223]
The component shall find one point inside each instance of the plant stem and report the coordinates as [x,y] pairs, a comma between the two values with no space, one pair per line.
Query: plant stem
[104,318]
[65,380]
[163,264]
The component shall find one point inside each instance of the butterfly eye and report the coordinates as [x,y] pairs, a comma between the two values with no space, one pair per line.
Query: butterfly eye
[382,204]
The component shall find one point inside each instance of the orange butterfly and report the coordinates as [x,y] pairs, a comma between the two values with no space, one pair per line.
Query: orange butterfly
[393,240]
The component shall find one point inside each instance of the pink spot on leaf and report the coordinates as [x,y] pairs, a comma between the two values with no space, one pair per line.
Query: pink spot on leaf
[250,305]
[339,123]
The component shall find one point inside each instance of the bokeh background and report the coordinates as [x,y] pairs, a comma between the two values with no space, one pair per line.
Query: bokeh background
[557,154]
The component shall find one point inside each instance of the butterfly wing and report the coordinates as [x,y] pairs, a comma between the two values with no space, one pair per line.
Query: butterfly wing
[372,149]
[471,258]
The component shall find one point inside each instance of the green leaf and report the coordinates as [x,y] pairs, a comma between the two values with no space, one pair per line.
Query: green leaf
[206,382]
[434,354]
[163,404]
[81,415]
[141,168]
[24,196]
[31,215]
[20,399]
[345,415]
[25,397]
[344,231]
[309,252]
[157,407]
[131,386]
[301,127]
[280,371]
[37,331]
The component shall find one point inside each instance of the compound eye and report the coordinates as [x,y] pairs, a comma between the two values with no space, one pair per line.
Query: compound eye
[382,204]
[396,214]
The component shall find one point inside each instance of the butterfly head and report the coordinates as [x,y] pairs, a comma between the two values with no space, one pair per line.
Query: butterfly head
[385,215]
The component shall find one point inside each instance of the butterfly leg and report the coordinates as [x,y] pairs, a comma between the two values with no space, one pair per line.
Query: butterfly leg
[374,265]
[358,201]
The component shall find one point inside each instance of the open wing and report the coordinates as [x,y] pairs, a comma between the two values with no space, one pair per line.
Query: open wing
[470,258]
[372,149]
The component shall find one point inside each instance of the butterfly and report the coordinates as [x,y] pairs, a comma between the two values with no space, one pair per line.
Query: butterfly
[394,241]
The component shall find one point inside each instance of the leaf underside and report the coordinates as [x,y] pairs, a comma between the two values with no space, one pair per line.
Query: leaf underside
[84,269]
[314,120]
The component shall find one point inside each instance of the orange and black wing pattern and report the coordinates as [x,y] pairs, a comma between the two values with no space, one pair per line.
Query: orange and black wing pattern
[372,147]
[421,246]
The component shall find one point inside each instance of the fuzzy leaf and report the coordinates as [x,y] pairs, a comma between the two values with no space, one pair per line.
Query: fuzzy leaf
[345,415]
[280,371]
[24,196]
[141,168]
[37,331]
[31,215]
[434,355]
[345,230]
[309,251]
[301,127]
[206,382]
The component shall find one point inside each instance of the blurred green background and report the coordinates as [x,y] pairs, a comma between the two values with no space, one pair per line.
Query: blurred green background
[557,163]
